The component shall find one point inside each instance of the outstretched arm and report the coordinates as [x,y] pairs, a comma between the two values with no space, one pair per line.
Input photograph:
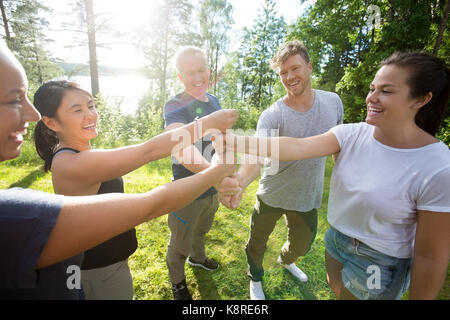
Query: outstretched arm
[93,166]
[283,148]
[87,221]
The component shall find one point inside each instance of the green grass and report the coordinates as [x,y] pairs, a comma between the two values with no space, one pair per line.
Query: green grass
[225,242]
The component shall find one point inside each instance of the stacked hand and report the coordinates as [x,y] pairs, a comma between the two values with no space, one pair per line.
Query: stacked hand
[220,120]
[230,191]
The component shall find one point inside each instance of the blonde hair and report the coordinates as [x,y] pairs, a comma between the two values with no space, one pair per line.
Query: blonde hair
[287,50]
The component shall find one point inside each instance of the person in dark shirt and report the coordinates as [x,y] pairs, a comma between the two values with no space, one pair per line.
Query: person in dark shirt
[189,225]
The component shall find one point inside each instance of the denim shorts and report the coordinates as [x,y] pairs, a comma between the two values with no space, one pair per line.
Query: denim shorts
[367,273]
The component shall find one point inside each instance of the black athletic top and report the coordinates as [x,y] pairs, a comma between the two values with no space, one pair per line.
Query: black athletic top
[116,249]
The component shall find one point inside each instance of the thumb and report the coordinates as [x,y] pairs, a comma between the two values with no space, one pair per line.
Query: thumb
[235,200]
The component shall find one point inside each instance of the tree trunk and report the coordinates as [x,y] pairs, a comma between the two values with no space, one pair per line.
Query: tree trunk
[442,28]
[92,47]
[215,69]
[165,62]
[5,21]
[38,62]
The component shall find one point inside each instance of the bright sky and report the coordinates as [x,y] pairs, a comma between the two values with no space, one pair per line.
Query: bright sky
[131,15]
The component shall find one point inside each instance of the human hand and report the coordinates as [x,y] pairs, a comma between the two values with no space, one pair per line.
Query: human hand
[225,161]
[231,202]
[220,120]
[229,186]
[227,196]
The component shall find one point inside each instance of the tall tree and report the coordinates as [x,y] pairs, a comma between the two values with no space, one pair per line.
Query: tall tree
[89,27]
[5,20]
[92,43]
[442,28]
[24,27]
[215,22]
[259,45]
[165,33]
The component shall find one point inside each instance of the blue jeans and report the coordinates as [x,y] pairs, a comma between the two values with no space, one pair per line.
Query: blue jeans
[367,273]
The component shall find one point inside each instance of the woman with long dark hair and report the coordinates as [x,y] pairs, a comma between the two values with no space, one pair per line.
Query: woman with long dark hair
[63,141]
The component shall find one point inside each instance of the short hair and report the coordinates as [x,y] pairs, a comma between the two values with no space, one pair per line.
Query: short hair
[188,51]
[288,49]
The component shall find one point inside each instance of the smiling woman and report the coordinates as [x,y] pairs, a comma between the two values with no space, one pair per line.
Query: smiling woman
[13,102]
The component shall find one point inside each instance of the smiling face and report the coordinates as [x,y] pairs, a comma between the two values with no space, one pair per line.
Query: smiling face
[15,108]
[389,103]
[75,122]
[194,74]
[295,74]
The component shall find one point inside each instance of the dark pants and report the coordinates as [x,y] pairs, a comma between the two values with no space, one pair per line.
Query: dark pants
[302,228]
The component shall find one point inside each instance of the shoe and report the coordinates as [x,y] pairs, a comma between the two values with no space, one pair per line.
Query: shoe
[180,291]
[256,290]
[208,264]
[294,270]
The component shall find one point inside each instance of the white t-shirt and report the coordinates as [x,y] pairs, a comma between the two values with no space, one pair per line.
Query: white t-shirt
[376,190]
[297,185]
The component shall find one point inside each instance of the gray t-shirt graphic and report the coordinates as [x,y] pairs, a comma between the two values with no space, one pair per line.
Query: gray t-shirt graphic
[297,185]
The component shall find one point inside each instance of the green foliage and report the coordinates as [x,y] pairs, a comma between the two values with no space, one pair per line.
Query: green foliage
[215,22]
[346,53]
[444,132]
[258,47]
[28,39]
[149,120]
[114,128]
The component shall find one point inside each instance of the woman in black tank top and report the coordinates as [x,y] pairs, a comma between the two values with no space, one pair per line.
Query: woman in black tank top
[62,140]
[116,249]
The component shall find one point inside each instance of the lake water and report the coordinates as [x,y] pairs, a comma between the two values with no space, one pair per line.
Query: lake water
[126,90]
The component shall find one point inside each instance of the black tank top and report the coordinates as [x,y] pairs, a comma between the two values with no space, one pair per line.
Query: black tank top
[116,249]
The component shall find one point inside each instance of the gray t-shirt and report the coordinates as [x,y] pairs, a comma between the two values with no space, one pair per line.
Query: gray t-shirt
[297,185]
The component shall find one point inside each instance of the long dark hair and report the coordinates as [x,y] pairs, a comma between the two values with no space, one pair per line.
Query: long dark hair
[427,73]
[47,100]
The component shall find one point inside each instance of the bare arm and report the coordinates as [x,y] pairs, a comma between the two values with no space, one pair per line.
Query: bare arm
[93,166]
[189,157]
[87,221]
[249,170]
[287,148]
[431,254]
[232,188]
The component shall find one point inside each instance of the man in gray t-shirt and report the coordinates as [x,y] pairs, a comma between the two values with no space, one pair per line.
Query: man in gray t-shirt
[292,188]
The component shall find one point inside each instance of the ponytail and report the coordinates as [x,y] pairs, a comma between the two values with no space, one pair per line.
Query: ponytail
[46,143]
[431,116]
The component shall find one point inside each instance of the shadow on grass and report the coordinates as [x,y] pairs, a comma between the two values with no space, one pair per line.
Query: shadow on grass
[206,284]
[29,179]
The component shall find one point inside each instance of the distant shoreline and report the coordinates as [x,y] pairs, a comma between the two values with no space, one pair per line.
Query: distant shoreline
[80,69]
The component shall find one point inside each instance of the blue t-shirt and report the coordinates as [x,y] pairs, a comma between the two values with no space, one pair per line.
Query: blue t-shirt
[184,108]
[27,218]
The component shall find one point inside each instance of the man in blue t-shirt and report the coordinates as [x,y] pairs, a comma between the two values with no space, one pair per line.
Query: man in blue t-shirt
[189,225]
